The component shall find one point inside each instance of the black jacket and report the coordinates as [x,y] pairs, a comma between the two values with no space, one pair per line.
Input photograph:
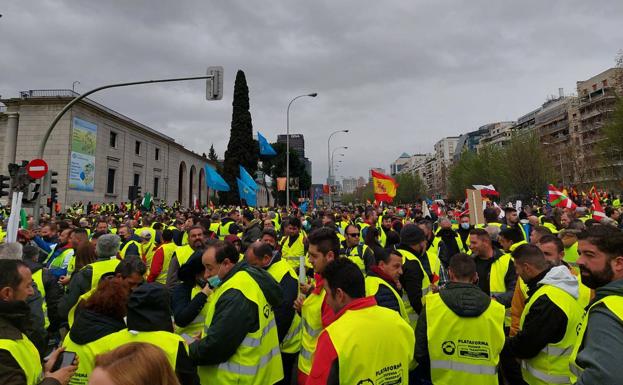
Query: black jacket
[15,320]
[448,246]
[284,313]
[234,317]
[412,277]
[464,299]
[483,267]
[384,296]
[149,310]
[90,326]
[251,233]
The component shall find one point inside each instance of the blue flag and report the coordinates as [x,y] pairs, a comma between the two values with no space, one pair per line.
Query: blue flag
[247,178]
[265,148]
[304,207]
[214,180]
[246,193]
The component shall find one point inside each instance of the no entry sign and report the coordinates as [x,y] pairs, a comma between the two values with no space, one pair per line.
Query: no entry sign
[37,168]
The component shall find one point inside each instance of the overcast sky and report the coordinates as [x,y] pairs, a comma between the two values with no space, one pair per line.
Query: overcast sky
[399,75]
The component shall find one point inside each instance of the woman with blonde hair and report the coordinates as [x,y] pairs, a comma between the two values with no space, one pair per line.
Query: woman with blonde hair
[136,363]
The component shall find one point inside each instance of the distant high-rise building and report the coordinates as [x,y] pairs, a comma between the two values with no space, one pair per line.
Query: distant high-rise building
[297,143]
[349,185]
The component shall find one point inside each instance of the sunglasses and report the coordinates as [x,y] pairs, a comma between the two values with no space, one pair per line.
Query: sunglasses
[352,234]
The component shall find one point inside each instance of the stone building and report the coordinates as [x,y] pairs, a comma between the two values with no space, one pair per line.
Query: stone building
[97,152]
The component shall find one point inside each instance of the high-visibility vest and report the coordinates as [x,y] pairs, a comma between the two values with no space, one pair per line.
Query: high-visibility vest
[463,350]
[27,356]
[372,287]
[167,341]
[59,260]
[99,268]
[413,316]
[86,356]
[147,254]
[214,227]
[196,325]
[167,249]
[224,230]
[497,286]
[584,291]
[257,361]
[363,226]
[355,254]
[292,341]
[37,278]
[382,236]
[614,303]
[185,238]
[72,312]
[125,247]
[551,364]
[151,231]
[572,255]
[293,253]
[183,253]
[311,319]
[366,353]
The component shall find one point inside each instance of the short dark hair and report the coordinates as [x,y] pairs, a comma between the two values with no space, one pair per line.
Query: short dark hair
[490,214]
[261,249]
[225,250]
[248,215]
[167,235]
[325,240]
[530,254]
[81,230]
[512,234]
[294,221]
[30,253]
[9,273]
[462,266]
[542,230]
[342,273]
[384,255]
[607,239]
[551,238]
[482,234]
[270,232]
[131,264]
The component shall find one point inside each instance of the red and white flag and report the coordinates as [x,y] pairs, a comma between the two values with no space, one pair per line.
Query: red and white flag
[598,211]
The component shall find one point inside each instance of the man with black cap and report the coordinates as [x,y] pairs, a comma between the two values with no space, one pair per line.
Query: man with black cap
[416,272]
[149,320]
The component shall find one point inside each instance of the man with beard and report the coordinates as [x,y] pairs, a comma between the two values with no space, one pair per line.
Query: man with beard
[596,356]
[196,242]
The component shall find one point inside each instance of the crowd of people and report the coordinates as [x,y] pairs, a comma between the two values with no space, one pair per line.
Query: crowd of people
[345,295]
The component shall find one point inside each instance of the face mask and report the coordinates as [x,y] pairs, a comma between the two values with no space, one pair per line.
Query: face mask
[465,226]
[215,280]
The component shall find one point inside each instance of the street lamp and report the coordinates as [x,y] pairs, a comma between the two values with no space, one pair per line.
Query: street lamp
[312,95]
[329,150]
[332,156]
[562,173]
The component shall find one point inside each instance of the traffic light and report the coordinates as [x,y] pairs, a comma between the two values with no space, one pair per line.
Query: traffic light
[138,191]
[5,185]
[53,188]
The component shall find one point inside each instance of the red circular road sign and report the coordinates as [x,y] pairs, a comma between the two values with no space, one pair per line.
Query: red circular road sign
[37,168]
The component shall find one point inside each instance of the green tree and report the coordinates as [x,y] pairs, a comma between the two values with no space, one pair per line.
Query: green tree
[242,150]
[410,188]
[275,167]
[212,154]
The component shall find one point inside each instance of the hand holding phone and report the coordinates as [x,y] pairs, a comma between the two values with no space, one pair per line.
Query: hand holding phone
[63,360]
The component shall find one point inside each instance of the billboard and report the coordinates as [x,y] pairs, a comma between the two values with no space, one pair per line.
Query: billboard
[82,158]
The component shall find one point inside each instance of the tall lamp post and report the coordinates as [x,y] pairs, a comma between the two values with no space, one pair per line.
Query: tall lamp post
[329,152]
[312,95]
[331,180]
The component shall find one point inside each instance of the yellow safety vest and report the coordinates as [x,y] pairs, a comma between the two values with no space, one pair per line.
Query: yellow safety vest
[463,350]
[185,238]
[183,253]
[99,268]
[257,361]
[293,253]
[572,255]
[224,230]
[583,299]
[614,303]
[413,316]
[362,227]
[292,341]
[497,286]
[124,249]
[214,227]
[152,232]
[551,364]
[27,356]
[59,260]
[372,287]
[356,255]
[72,312]
[37,278]
[168,249]
[196,325]
[382,236]
[147,254]
[375,356]
[86,356]
[311,319]
[167,341]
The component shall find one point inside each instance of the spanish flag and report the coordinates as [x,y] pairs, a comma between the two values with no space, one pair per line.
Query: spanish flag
[384,187]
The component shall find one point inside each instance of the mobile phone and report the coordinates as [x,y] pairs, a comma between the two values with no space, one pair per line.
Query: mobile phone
[189,340]
[65,359]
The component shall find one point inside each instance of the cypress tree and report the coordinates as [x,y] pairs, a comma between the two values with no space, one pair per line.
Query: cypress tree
[241,149]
